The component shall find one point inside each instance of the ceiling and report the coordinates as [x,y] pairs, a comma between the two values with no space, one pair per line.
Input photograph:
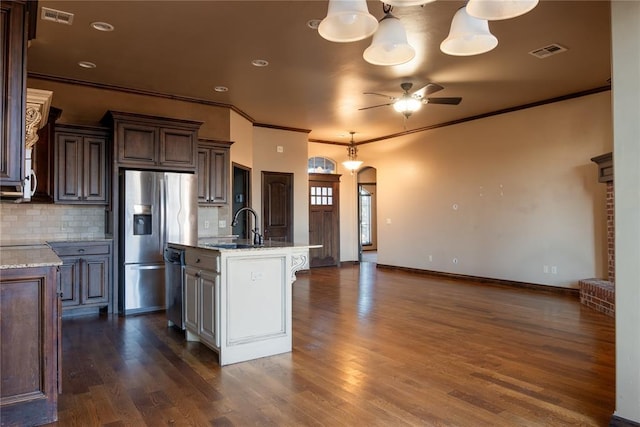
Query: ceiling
[186,48]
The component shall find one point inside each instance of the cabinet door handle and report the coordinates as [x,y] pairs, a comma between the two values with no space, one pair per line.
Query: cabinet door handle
[198,261]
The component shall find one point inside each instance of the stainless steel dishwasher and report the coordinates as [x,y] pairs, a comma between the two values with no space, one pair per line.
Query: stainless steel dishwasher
[174,269]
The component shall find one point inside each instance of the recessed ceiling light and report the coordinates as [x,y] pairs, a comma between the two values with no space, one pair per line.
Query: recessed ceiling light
[260,62]
[314,23]
[86,64]
[102,26]
[221,89]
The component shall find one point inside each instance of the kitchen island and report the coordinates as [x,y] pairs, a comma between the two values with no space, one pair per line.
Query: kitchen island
[237,296]
[29,335]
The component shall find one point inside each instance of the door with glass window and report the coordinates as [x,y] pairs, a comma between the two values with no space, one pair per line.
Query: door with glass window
[324,219]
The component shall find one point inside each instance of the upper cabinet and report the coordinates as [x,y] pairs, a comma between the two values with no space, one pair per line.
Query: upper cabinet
[82,164]
[213,172]
[150,142]
[13,41]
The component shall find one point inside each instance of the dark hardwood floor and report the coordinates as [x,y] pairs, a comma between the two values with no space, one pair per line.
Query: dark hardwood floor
[371,347]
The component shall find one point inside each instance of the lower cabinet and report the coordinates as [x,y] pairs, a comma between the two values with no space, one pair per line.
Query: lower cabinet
[85,275]
[202,296]
[30,334]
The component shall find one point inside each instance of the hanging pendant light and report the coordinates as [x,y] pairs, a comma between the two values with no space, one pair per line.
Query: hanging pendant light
[389,45]
[402,3]
[468,36]
[352,164]
[347,21]
[499,9]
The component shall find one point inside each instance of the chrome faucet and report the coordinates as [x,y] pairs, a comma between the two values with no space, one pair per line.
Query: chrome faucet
[257,237]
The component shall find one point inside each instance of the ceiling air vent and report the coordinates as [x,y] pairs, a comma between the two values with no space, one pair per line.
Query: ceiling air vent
[56,16]
[545,52]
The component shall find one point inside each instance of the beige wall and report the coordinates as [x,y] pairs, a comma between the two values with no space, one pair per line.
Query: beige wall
[348,200]
[504,196]
[292,159]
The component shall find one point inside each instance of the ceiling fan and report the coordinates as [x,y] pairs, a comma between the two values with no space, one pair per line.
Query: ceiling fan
[410,102]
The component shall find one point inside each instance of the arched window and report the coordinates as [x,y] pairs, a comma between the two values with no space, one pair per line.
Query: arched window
[321,165]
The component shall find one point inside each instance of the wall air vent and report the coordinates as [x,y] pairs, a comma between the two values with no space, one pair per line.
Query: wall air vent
[58,16]
[547,51]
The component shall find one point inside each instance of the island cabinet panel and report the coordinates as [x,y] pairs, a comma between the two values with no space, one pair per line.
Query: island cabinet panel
[192,301]
[256,307]
[29,351]
[82,165]
[209,296]
[202,290]
[150,142]
[85,275]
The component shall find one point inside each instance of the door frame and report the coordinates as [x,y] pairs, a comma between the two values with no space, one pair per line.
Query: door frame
[245,186]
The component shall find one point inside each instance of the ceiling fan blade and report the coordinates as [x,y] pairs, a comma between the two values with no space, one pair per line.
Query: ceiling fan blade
[427,90]
[375,106]
[381,94]
[448,101]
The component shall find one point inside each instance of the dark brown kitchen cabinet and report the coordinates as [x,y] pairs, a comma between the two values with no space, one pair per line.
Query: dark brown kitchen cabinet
[82,165]
[213,172]
[85,275]
[150,142]
[14,19]
[30,343]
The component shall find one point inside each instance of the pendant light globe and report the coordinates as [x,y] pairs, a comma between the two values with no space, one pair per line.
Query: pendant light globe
[347,21]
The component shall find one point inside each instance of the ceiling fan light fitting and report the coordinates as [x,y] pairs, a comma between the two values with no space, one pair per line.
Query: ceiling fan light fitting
[347,21]
[389,45]
[468,36]
[407,105]
[403,3]
[494,10]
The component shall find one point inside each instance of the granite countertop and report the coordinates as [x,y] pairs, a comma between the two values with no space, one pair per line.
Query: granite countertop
[226,244]
[24,256]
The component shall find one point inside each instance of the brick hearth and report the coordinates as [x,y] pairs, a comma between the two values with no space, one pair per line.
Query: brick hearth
[599,294]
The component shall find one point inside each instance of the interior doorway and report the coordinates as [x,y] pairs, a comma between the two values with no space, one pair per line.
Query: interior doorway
[277,206]
[367,214]
[241,190]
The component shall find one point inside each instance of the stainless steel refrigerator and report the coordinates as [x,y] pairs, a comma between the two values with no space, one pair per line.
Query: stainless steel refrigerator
[155,208]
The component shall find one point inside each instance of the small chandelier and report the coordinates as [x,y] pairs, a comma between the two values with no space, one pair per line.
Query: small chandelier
[352,150]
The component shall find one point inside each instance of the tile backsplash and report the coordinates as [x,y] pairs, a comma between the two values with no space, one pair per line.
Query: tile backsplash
[209,219]
[31,221]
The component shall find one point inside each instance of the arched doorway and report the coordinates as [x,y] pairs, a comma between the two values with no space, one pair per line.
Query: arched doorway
[367,214]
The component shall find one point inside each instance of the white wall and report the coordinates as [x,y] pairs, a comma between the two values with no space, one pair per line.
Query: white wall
[625,18]
[291,159]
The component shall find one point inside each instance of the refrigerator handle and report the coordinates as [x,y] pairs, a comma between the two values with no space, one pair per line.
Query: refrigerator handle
[163,213]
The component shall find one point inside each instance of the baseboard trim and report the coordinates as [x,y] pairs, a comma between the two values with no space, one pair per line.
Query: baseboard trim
[486,280]
[621,422]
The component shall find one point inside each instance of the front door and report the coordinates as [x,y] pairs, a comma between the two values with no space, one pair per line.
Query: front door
[277,206]
[324,219]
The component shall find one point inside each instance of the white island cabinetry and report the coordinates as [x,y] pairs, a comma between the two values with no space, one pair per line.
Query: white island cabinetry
[238,300]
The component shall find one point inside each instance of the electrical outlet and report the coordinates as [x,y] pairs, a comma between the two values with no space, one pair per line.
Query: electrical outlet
[554,269]
[545,269]
[222,223]
[207,224]
[430,258]
[388,220]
